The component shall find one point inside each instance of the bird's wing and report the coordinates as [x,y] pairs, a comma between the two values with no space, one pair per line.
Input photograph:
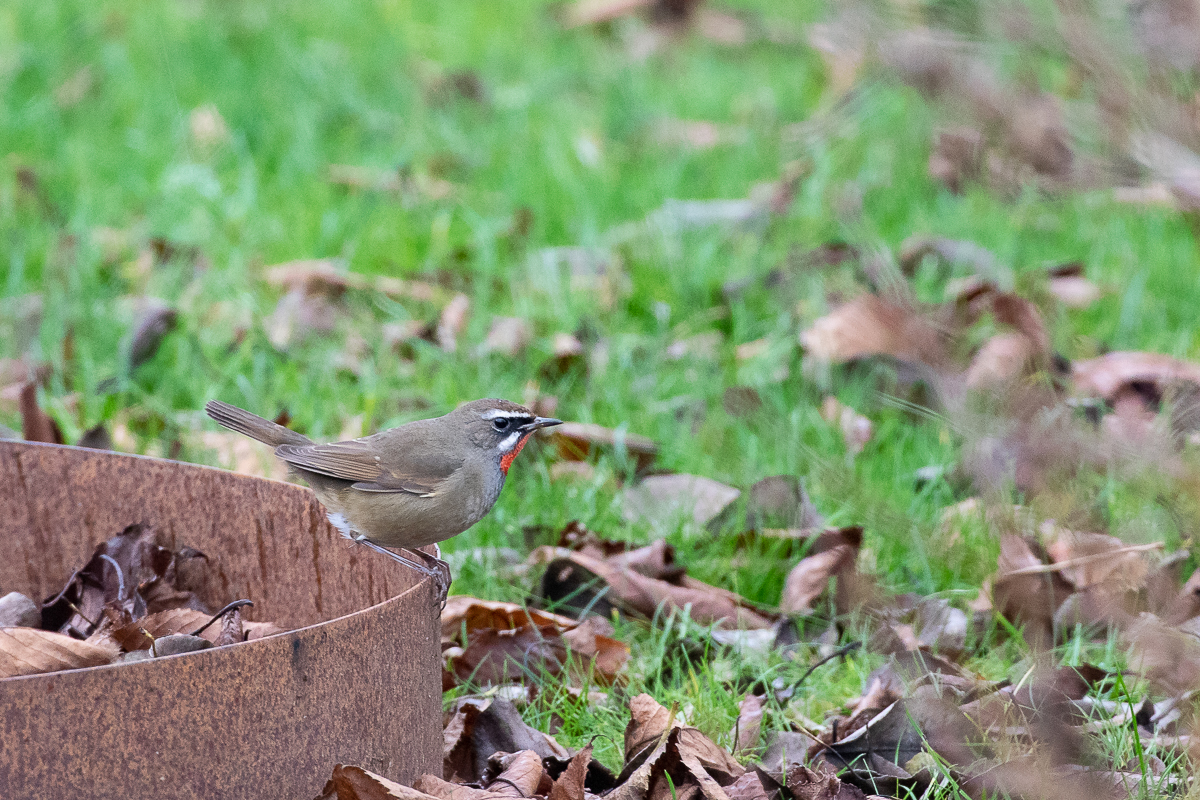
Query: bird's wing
[409,471]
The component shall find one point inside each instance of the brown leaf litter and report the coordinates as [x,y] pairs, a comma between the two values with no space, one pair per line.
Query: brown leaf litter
[620,582]
[486,642]
[134,594]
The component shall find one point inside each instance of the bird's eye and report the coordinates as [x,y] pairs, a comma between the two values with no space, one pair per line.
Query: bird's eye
[500,423]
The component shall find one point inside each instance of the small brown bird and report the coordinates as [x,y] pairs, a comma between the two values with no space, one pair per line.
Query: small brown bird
[406,487]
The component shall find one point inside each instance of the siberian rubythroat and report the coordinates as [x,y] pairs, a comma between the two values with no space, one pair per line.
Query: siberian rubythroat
[406,487]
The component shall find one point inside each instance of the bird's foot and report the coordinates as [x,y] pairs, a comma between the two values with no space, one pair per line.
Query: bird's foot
[433,567]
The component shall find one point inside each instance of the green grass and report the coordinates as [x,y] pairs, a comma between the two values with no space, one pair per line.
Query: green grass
[301,87]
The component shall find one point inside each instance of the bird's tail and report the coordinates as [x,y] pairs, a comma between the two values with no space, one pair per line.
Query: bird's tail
[253,425]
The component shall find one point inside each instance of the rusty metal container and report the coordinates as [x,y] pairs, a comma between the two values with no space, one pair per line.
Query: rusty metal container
[357,680]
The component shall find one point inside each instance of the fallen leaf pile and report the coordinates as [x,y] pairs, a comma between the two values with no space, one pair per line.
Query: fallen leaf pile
[134,599]
[487,643]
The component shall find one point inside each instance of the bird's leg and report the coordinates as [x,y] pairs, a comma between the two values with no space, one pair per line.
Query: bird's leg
[440,574]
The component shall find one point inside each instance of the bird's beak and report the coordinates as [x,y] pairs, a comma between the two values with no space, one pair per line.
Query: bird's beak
[541,422]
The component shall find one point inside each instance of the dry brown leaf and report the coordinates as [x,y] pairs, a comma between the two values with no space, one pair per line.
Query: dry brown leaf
[663,499]
[648,721]
[36,425]
[570,784]
[1071,288]
[355,783]
[747,787]
[139,634]
[298,314]
[443,790]
[1108,375]
[567,350]
[478,728]
[1024,594]
[508,336]
[154,322]
[957,157]
[630,590]
[1186,603]
[1002,359]
[832,555]
[592,12]
[328,276]
[506,642]
[463,612]
[871,326]
[1165,655]
[522,773]
[452,322]
[1090,559]
[577,441]
[28,651]
[747,728]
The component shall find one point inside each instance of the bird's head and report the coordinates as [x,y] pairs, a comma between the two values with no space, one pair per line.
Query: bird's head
[499,427]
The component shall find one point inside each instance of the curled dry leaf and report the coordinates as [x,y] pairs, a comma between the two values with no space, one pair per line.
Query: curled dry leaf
[1071,288]
[623,587]
[478,728]
[520,774]
[355,783]
[444,790]
[1002,359]
[809,579]
[28,651]
[663,499]
[508,336]
[747,728]
[503,641]
[677,769]
[871,326]
[152,326]
[328,276]
[36,425]
[570,784]
[297,314]
[1092,559]
[1109,375]
[140,634]
[578,441]
[1025,593]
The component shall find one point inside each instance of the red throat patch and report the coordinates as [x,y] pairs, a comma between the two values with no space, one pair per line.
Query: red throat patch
[507,459]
